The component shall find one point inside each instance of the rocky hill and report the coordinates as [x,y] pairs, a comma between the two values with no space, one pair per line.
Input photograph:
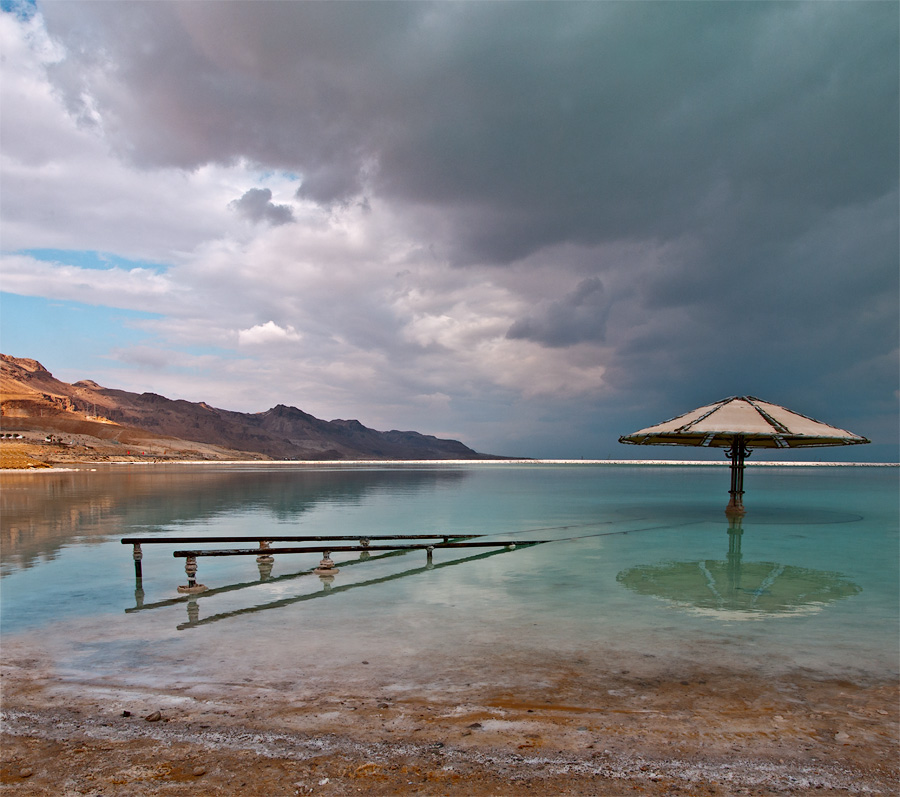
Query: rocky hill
[106,423]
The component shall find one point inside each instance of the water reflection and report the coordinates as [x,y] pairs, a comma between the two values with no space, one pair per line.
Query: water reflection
[209,593]
[44,512]
[735,589]
[328,588]
[327,584]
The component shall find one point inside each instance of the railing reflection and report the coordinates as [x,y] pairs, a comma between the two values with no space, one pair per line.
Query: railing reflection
[265,575]
[327,587]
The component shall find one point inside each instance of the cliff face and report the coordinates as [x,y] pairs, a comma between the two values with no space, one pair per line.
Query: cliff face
[30,397]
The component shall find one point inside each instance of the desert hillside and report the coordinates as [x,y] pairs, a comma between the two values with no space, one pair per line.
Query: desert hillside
[45,420]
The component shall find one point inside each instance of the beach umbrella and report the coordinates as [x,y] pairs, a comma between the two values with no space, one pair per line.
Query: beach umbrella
[733,589]
[741,424]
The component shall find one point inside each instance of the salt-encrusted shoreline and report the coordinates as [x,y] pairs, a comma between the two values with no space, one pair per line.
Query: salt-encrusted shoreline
[711,733]
[341,762]
[89,465]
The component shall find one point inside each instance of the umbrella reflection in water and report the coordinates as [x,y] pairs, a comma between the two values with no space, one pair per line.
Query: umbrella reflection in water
[737,590]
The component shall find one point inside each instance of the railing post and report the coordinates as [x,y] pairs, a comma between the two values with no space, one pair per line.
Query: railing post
[364,542]
[138,555]
[264,557]
[265,560]
[192,588]
[326,566]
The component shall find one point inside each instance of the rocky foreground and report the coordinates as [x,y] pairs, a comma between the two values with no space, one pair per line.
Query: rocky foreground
[709,733]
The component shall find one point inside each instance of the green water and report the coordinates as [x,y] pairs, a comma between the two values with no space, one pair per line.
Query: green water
[640,563]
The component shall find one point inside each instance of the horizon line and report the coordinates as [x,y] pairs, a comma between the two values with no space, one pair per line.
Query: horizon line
[517,461]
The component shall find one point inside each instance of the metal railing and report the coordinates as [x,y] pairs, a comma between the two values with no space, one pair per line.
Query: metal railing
[265,553]
[264,541]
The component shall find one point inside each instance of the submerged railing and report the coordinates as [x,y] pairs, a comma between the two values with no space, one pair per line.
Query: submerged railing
[265,552]
[326,565]
[265,576]
[265,541]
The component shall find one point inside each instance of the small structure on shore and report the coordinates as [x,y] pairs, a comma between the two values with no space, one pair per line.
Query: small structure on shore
[741,424]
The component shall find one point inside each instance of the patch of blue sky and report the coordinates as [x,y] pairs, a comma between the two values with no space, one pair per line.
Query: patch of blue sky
[210,351]
[292,177]
[66,335]
[91,259]
[24,9]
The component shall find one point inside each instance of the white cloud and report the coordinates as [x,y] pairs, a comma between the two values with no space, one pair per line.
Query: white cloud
[267,334]
[133,289]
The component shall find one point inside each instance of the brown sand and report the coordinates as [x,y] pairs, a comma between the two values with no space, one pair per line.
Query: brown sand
[613,733]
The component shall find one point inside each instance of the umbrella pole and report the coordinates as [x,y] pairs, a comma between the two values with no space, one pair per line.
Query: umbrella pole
[737,453]
[734,554]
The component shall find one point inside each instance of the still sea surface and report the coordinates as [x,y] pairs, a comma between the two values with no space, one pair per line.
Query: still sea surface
[640,564]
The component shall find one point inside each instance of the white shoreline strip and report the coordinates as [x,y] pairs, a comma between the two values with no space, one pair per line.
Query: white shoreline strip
[339,463]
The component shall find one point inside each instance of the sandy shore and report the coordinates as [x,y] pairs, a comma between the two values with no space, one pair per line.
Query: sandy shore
[589,733]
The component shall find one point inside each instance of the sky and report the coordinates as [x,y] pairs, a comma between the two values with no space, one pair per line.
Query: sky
[529,226]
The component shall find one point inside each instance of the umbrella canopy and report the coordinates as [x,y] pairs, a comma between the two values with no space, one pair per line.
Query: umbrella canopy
[740,424]
[761,424]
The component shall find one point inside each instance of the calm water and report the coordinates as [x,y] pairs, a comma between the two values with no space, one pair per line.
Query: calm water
[642,563]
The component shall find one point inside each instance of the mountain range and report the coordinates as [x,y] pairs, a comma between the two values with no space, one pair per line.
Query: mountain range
[106,423]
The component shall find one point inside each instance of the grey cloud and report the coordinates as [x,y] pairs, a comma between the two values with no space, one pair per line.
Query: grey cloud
[256,205]
[580,122]
[579,316]
[756,142]
[331,183]
[299,86]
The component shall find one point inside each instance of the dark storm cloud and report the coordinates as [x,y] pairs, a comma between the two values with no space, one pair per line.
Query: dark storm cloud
[301,85]
[578,316]
[570,121]
[256,205]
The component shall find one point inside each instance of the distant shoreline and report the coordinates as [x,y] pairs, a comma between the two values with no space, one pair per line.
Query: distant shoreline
[362,463]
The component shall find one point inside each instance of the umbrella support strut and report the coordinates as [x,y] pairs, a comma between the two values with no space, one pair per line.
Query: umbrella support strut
[737,454]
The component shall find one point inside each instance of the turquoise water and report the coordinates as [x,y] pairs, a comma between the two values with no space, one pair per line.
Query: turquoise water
[640,563]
